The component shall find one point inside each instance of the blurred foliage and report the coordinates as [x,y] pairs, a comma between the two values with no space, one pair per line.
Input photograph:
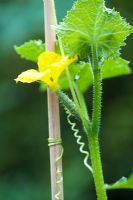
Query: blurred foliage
[24,155]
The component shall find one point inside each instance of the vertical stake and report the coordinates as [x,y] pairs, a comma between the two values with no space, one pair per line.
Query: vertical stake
[53,103]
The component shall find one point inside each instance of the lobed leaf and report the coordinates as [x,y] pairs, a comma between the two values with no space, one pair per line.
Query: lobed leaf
[31,50]
[123,183]
[90,22]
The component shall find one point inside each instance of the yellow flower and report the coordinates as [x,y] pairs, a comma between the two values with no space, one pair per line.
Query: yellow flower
[50,67]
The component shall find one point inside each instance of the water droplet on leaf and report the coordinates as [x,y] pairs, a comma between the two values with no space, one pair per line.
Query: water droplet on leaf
[77,76]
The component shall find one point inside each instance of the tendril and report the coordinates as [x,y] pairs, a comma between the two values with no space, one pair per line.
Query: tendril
[78,140]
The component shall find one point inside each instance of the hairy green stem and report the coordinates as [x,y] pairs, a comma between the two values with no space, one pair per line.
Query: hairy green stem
[75,95]
[93,141]
[69,76]
[97,167]
[97,92]
[81,102]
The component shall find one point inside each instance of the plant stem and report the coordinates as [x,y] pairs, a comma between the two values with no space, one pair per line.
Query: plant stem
[93,136]
[74,93]
[53,103]
[81,102]
[97,92]
[97,166]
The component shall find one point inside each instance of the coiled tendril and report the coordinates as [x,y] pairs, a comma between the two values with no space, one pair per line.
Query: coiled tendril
[78,140]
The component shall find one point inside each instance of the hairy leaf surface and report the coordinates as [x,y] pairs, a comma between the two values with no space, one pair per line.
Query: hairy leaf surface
[89,22]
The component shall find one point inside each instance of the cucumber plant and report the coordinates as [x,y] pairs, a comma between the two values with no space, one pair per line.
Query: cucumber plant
[88,50]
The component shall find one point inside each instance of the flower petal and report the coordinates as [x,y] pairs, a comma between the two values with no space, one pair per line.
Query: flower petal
[65,61]
[56,69]
[46,59]
[51,66]
[71,60]
[31,75]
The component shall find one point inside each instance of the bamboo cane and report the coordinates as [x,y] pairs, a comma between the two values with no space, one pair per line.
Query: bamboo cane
[53,104]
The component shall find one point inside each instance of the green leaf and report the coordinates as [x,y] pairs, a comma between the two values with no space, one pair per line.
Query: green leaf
[123,183]
[85,76]
[82,72]
[31,50]
[89,22]
[115,67]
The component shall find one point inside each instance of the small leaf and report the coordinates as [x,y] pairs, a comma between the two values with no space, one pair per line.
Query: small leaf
[123,183]
[31,50]
[83,72]
[90,22]
[63,82]
[85,77]
[115,67]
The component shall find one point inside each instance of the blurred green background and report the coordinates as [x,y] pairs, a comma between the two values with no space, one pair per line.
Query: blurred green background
[24,154]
